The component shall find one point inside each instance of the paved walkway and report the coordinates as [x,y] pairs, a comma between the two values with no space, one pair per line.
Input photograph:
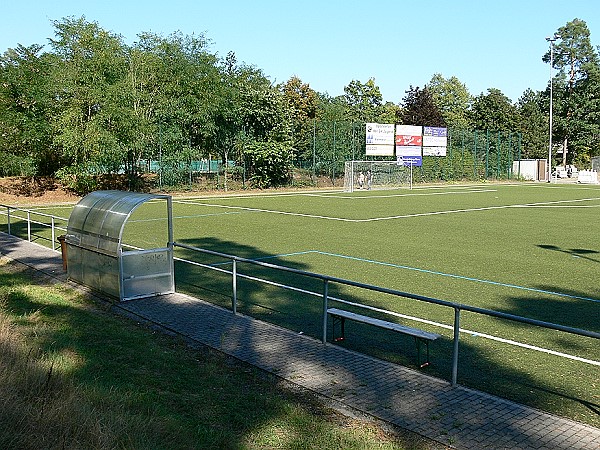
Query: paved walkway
[454,416]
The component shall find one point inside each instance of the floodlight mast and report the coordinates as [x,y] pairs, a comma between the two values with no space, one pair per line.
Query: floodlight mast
[551,40]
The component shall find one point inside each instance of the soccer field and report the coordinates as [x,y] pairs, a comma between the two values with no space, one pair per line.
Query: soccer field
[530,250]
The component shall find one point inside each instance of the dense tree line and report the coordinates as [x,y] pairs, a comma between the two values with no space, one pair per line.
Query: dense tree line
[89,104]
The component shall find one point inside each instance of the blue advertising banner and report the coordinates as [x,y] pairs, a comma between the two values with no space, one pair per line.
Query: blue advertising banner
[435,131]
[410,161]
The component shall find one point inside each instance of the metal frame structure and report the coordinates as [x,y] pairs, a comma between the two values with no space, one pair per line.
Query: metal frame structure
[95,250]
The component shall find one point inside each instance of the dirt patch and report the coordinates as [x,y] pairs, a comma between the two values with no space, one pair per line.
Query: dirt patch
[29,191]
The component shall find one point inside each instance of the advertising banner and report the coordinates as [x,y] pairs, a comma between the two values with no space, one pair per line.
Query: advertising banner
[435,131]
[409,130]
[410,161]
[435,141]
[408,150]
[404,139]
[380,134]
[379,150]
[434,151]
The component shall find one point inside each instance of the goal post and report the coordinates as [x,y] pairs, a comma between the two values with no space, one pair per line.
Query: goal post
[375,175]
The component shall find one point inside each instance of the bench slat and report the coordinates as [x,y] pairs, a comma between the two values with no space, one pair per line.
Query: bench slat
[383,324]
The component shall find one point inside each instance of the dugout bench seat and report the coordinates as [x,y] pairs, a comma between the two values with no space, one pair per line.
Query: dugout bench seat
[339,316]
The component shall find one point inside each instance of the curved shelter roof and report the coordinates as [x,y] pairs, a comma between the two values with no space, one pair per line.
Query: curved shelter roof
[95,255]
[99,218]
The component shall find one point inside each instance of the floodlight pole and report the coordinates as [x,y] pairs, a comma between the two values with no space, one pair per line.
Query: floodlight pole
[551,40]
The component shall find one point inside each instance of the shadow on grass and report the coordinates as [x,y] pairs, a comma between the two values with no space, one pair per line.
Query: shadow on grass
[381,389]
[146,390]
[489,367]
[576,252]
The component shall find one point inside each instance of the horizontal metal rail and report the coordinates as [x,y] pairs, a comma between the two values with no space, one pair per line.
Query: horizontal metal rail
[27,218]
[457,307]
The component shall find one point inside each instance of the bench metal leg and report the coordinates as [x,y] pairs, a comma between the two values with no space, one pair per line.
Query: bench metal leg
[418,345]
[342,322]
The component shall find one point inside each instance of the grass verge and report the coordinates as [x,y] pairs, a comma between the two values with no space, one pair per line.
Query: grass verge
[73,375]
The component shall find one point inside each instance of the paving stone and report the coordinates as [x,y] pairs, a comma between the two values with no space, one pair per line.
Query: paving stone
[465,417]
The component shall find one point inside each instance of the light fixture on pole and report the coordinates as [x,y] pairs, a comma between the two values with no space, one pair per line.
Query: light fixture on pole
[551,40]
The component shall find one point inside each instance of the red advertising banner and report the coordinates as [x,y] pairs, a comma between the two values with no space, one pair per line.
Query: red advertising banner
[403,139]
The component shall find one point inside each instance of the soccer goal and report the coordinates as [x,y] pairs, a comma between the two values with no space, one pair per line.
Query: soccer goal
[375,175]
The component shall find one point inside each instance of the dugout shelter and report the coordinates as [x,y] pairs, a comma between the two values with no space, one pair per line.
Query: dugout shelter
[97,256]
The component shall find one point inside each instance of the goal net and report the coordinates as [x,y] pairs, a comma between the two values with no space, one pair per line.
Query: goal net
[375,175]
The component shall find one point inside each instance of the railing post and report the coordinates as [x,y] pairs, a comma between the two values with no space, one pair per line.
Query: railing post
[455,352]
[28,226]
[325,294]
[234,276]
[53,234]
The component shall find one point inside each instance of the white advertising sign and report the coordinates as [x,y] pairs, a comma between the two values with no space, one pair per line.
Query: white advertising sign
[435,141]
[380,134]
[408,150]
[379,150]
[434,151]
[409,130]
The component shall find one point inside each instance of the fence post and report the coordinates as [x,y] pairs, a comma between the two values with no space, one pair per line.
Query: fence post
[53,233]
[325,294]
[455,351]
[28,226]
[234,276]
[8,219]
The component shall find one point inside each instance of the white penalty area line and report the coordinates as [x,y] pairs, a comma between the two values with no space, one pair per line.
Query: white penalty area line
[400,216]
[283,213]
[410,194]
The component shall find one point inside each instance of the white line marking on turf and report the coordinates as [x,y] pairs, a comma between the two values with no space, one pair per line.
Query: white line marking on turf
[411,194]
[400,216]
[449,327]
[186,217]
[491,337]
[432,272]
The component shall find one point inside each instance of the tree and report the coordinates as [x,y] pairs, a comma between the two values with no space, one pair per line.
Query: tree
[585,120]
[364,101]
[453,100]
[25,109]
[302,103]
[573,56]
[270,163]
[91,64]
[419,108]
[533,124]
[494,111]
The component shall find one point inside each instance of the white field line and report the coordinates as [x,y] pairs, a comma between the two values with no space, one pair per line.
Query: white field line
[503,340]
[401,216]
[462,330]
[333,193]
[195,216]
[412,194]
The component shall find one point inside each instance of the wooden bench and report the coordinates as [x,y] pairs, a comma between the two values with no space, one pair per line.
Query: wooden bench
[340,316]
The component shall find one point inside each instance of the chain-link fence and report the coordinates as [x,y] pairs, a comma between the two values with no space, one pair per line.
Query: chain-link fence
[322,150]
[470,155]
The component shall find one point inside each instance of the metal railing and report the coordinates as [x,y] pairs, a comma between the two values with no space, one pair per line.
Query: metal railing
[14,214]
[9,212]
[457,307]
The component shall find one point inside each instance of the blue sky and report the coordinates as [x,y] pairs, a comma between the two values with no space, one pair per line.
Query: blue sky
[327,44]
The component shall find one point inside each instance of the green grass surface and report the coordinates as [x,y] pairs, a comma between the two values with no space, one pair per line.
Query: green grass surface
[73,375]
[529,249]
